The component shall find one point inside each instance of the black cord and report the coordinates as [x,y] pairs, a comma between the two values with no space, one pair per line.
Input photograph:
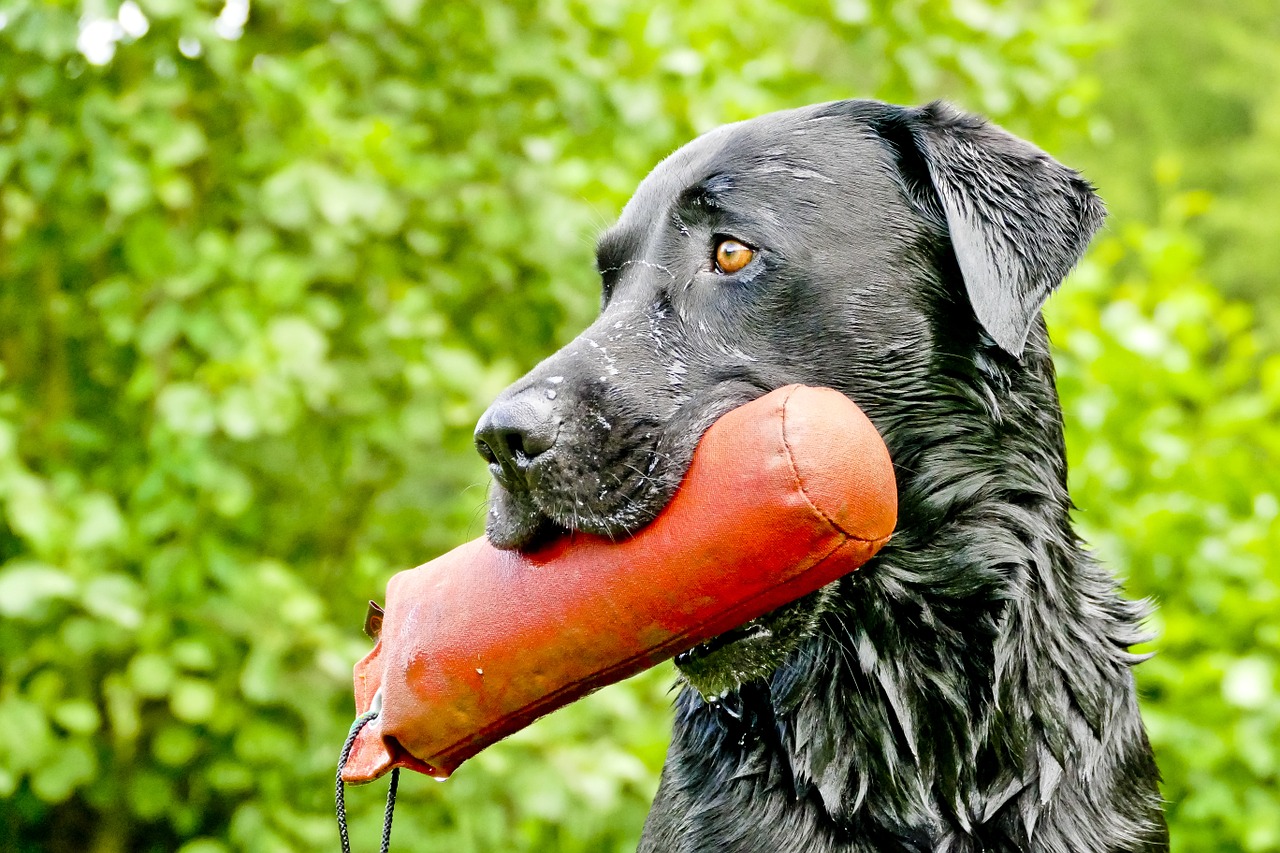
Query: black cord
[391,806]
[340,791]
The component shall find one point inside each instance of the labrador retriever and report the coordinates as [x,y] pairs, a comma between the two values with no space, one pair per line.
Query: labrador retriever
[970,689]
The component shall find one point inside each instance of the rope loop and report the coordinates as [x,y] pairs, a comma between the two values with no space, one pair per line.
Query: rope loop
[340,788]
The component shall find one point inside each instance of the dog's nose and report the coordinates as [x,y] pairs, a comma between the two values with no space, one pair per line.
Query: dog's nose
[514,431]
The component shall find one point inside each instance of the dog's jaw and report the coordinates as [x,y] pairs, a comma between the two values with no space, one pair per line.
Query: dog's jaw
[514,523]
[752,652]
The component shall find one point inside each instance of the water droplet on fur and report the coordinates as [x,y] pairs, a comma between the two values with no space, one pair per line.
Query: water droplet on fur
[479,671]
[551,395]
[555,380]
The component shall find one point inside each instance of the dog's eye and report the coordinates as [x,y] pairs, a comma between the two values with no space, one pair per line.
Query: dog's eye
[732,256]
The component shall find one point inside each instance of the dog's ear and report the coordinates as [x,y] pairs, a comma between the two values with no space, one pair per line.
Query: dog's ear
[1018,219]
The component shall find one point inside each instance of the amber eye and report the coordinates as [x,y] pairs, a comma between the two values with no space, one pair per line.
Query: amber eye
[732,256]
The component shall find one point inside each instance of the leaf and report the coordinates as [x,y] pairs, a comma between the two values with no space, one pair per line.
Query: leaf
[78,716]
[114,597]
[25,736]
[186,408]
[70,765]
[99,522]
[193,700]
[27,587]
[151,674]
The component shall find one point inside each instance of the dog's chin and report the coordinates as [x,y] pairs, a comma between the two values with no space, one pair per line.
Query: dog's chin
[524,535]
[518,525]
[521,522]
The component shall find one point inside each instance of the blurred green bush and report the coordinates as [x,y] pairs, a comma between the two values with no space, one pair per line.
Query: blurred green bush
[262,267]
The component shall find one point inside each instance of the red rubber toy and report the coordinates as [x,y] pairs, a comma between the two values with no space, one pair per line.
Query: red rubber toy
[784,495]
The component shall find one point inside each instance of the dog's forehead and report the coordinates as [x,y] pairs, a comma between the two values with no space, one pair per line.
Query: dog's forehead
[825,144]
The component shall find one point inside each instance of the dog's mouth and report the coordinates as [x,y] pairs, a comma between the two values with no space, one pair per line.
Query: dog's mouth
[610,473]
[564,495]
[614,480]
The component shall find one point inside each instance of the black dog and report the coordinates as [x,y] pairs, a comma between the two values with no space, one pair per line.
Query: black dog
[968,690]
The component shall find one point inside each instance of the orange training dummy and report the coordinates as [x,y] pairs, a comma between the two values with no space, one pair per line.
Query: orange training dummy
[784,495]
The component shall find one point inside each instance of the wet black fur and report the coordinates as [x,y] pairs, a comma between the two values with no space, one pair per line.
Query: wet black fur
[969,689]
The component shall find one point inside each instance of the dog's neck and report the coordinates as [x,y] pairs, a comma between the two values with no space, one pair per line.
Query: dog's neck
[972,685]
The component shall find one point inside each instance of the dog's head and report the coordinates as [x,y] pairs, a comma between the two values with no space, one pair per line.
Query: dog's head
[850,245]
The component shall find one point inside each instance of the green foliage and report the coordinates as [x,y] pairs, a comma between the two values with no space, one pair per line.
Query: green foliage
[1195,93]
[258,279]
